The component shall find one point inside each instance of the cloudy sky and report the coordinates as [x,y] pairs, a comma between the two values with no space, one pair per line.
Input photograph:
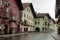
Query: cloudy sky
[43,6]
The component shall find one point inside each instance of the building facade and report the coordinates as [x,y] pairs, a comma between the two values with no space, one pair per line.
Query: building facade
[9,16]
[28,14]
[42,22]
[58,14]
[39,23]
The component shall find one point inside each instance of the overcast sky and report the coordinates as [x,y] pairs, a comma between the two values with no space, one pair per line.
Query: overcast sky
[43,6]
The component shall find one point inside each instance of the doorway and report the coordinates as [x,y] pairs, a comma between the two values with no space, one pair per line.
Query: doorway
[25,29]
[37,29]
[5,29]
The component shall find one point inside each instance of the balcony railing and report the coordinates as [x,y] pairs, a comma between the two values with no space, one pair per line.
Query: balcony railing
[25,23]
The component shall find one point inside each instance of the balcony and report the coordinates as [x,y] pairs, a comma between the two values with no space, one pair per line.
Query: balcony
[25,23]
[12,19]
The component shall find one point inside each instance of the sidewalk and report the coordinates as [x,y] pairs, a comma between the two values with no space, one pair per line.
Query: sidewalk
[55,36]
[11,35]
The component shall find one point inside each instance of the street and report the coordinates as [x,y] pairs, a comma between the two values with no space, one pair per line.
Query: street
[29,20]
[31,36]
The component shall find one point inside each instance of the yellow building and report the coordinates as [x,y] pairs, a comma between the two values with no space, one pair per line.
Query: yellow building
[42,22]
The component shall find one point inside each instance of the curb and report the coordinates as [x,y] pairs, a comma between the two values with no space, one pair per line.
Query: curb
[12,35]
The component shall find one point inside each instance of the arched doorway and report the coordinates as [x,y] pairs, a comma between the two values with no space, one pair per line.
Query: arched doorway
[37,29]
[5,29]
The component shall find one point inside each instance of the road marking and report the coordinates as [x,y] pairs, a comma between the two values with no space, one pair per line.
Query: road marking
[53,36]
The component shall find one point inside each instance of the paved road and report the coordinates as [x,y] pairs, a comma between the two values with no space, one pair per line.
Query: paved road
[31,36]
[55,35]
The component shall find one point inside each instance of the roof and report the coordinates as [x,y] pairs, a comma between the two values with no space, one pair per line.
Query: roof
[25,5]
[19,3]
[42,15]
[31,6]
[54,21]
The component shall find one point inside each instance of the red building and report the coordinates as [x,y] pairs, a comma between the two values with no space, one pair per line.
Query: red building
[9,15]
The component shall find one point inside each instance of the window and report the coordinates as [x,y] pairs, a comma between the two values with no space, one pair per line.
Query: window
[25,22]
[48,24]
[27,16]
[38,22]
[2,0]
[24,15]
[6,4]
[13,17]
[35,22]
[43,18]
[45,23]
[5,14]
[27,9]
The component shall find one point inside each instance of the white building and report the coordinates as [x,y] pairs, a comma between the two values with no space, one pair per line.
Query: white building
[28,15]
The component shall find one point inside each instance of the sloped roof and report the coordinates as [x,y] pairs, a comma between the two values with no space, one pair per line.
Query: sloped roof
[19,3]
[25,5]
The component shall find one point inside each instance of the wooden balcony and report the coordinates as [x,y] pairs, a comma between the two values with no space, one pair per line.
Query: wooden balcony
[25,23]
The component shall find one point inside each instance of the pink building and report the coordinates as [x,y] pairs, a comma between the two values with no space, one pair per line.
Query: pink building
[9,15]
